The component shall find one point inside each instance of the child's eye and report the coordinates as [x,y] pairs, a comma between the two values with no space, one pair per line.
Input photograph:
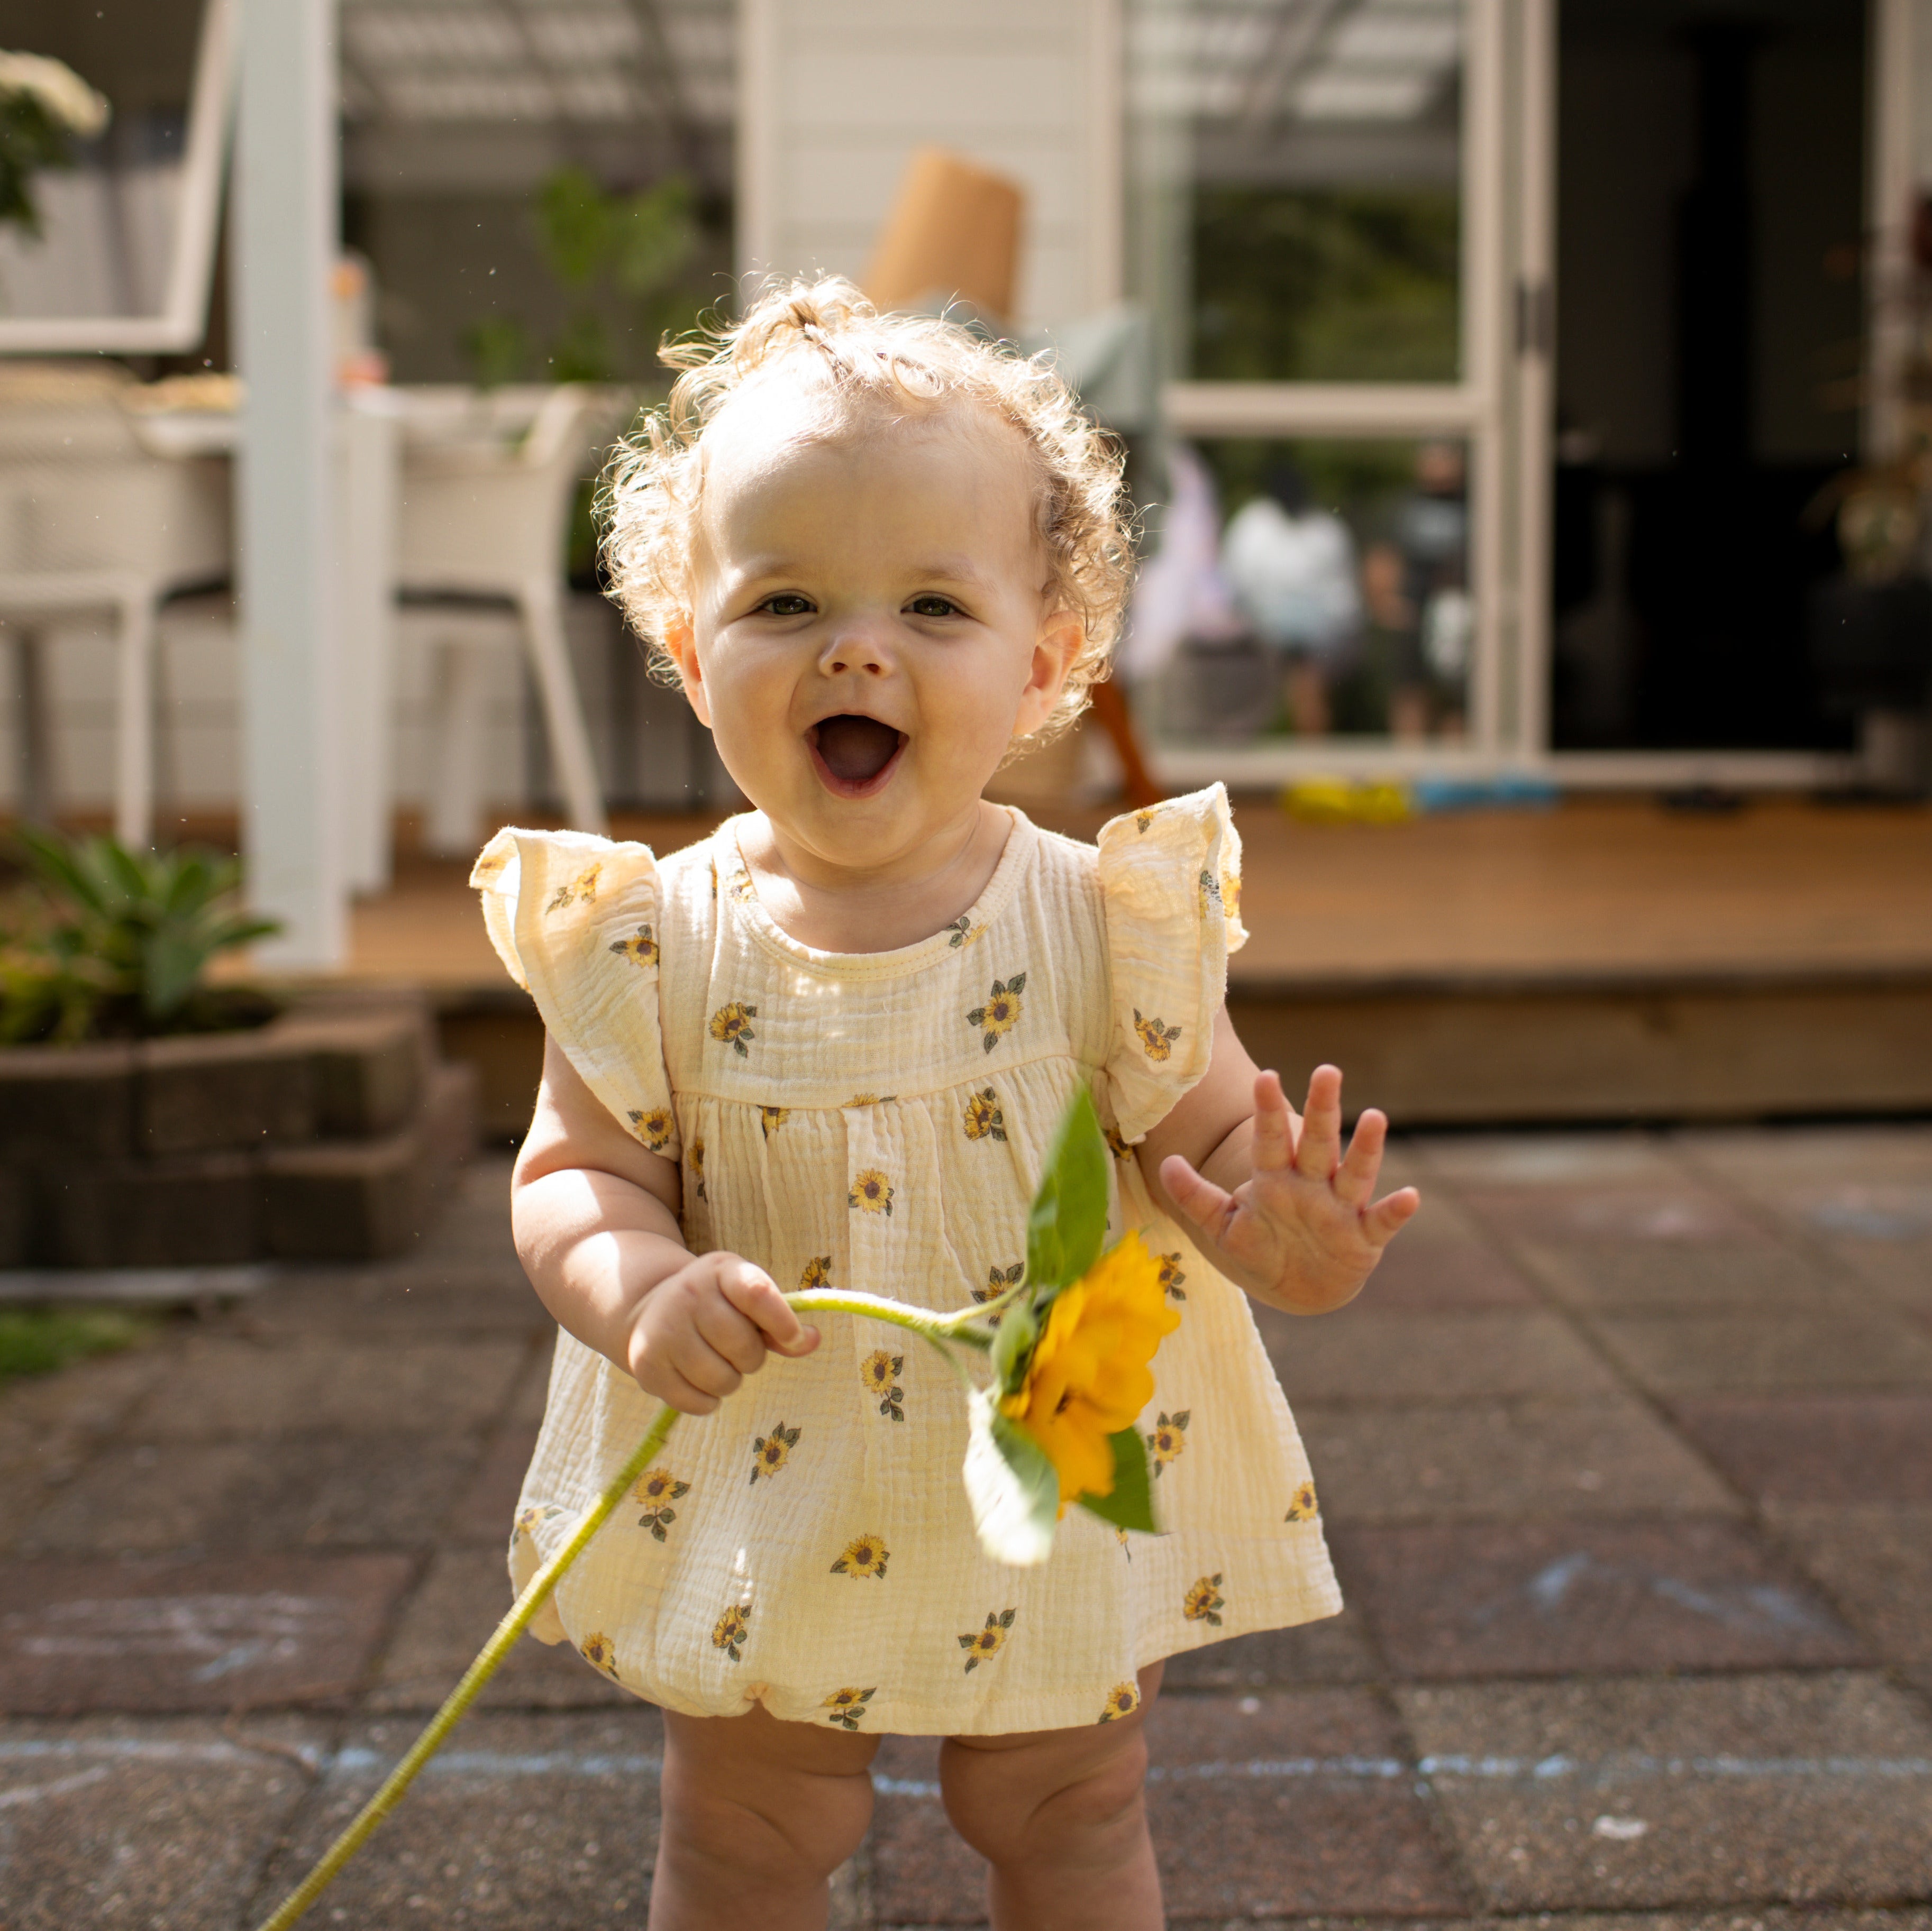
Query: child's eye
[933,607]
[787,603]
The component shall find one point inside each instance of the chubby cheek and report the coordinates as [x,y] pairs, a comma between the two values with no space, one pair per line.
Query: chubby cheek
[969,721]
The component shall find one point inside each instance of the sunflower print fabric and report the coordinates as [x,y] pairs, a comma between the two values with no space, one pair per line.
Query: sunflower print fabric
[870,1192]
[772,1450]
[729,1632]
[731,1026]
[1202,1603]
[1168,1439]
[1157,1038]
[848,1706]
[879,1371]
[999,1281]
[1001,1012]
[984,1120]
[863,1555]
[657,1489]
[580,890]
[841,1127]
[982,1645]
[640,948]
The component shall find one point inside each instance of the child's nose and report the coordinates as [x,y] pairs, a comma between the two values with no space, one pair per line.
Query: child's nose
[860,647]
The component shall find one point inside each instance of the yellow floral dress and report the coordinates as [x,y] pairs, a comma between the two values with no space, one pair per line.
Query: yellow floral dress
[877,1121]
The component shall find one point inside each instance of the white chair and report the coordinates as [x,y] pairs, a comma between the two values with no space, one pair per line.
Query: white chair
[479,519]
[92,520]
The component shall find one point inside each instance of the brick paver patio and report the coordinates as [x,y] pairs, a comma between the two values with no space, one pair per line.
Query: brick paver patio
[1627,1455]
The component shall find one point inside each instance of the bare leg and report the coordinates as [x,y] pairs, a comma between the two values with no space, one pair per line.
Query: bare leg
[1058,1815]
[1308,700]
[757,1815]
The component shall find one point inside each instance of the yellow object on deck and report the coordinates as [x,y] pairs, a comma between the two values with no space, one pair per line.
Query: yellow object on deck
[1344,800]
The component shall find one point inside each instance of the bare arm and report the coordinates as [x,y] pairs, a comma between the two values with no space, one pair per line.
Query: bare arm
[1271,1198]
[595,1217]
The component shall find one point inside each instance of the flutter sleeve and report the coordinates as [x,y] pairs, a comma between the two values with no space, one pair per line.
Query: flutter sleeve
[1171,887]
[576,921]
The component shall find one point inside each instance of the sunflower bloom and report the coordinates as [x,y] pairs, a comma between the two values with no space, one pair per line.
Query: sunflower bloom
[871,1192]
[848,1707]
[1122,1700]
[641,949]
[863,1555]
[731,1026]
[1089,1376]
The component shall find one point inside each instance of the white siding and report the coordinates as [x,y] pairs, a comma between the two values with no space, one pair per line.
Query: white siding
[836,96]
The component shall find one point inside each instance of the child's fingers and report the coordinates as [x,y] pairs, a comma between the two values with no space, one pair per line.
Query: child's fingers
[1355,1177]
[1274,1127]
[1390,1215]
[1319,1153]
[755,1295]
[1200,1203]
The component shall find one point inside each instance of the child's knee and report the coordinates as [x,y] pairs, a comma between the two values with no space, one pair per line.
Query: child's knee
[1007,1800]
[786,1815]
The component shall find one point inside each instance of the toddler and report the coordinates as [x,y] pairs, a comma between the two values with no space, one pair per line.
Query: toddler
[828,1045]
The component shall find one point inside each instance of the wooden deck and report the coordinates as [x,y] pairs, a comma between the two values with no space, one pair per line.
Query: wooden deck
[1607,959]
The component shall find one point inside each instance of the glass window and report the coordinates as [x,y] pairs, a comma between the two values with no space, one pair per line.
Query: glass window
[1295,211]
[539,192]
[1307,590]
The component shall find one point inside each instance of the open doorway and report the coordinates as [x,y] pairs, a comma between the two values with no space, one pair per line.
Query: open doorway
[1711,198]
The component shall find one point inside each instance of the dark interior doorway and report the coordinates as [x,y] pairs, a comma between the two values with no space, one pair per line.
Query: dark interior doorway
[1710,210]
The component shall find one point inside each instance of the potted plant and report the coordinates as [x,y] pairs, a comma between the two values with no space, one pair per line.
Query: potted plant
[151,1116]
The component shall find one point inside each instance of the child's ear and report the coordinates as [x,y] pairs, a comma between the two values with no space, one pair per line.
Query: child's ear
[1063,636]
[680,644]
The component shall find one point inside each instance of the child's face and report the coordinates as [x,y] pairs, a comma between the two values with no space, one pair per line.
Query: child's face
[870,631]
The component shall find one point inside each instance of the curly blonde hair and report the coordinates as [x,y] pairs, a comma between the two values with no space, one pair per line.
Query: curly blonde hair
[838,342]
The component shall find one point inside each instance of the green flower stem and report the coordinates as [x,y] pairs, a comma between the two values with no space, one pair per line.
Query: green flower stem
[489,1659]
[936,1328]
[955,1326]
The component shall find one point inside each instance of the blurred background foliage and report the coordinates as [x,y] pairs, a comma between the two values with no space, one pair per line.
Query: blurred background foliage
[1343,284]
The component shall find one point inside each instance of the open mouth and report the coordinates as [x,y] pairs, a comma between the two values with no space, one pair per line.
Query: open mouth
[854,755]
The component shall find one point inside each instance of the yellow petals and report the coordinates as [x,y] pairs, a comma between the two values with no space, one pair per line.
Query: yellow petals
[1090,1377]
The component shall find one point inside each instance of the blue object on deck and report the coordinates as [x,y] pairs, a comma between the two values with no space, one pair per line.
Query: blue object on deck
[1517,792]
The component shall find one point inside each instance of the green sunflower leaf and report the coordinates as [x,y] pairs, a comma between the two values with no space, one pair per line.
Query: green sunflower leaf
[1069,1219]
[1131,1504]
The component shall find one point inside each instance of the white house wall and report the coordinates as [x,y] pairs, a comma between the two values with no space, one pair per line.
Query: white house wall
[836,96]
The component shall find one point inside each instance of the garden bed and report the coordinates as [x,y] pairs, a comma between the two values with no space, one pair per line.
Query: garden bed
[324,1134]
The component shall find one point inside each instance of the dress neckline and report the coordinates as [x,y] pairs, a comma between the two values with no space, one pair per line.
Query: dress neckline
[738,891]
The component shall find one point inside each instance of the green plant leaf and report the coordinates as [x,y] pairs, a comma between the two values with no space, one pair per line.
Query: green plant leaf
[651,235]
[120,868]
[54,864]
[193,882]
[1069,1219]
[1130,1505]
[573,220]
[173,967]
[1013,1343]
[1010,1485]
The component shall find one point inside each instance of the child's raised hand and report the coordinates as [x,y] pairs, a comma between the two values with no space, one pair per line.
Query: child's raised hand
[700,1331]
[1304,1230]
